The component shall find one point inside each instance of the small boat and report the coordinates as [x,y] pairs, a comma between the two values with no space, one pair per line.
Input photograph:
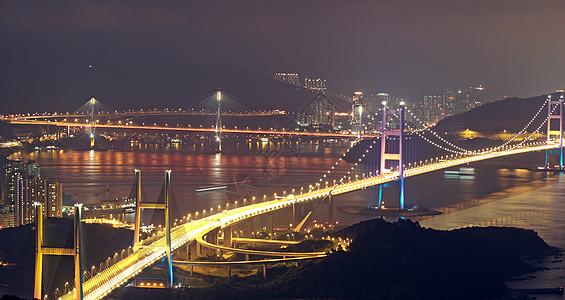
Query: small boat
[211,187]
[461,171]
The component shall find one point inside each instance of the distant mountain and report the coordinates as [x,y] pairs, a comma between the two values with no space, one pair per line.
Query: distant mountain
[60,75]
[510,114]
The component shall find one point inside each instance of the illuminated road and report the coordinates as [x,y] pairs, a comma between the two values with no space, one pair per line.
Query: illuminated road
[193,129]
[245,262]
[131,114]
[120,273]
[201,241]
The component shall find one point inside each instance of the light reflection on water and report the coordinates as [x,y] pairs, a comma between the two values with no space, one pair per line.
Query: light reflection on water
[85,174]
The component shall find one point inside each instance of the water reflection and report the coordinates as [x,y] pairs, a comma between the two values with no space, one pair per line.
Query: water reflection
[85,175]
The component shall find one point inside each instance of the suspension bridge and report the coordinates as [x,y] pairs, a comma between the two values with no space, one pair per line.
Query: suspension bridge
[387,159]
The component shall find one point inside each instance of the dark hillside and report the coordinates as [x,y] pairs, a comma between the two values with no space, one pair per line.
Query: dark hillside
[397,260]
[509,114]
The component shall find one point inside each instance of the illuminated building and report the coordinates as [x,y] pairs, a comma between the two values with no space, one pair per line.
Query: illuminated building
[316,84]
[319,111]
[432,110]
[12,182]
[357,112]
[477,96]
[22,186]
[449,102]
[53,198]
[383,97]
[288,78]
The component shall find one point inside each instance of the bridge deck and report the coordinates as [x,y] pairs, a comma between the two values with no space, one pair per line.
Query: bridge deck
[117,275]
[192,129]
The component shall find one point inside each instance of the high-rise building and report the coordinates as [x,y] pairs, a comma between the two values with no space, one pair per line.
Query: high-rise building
[316,84]
[288,78]
[357,112]
[13,173]
[449,102]
[382,98]
[31,192]
[53,198]
[320,111]
[462,102]
[368,103]
[418,110]
[21,188]
[432,109]
[477,96]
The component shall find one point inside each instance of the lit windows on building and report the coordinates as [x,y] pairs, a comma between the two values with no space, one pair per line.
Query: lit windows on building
[21,188]
[288,78]
[316,84]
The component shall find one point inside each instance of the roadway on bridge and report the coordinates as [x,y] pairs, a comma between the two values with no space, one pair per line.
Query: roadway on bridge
[195,129]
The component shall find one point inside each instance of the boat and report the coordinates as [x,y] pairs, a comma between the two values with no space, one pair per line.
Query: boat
[462,171]
[211,187]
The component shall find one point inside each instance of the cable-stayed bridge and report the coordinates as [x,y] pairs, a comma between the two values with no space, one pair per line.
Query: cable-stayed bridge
[213,107]
[387,159]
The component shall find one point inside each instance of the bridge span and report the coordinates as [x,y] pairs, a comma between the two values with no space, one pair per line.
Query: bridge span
[192,129]
[146,256]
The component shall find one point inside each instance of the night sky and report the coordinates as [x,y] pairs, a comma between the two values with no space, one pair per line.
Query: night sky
[513,47]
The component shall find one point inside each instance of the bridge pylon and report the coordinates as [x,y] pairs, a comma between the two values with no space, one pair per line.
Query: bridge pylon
[388,156]
[92,125]
[138,207]
[165,206]
[40,250]
[218,129]
[554,135]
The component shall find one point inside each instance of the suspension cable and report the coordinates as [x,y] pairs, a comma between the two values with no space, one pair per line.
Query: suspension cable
[469,151]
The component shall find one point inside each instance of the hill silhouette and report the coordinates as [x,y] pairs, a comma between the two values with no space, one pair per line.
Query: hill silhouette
[35,77]
[510,114]
[399,260]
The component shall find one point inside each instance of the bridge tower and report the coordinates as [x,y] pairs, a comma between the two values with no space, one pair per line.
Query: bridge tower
[138,207]
[386,156]
[554,135]
[166,207]
[76,252]
[92,128]
[219,121]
